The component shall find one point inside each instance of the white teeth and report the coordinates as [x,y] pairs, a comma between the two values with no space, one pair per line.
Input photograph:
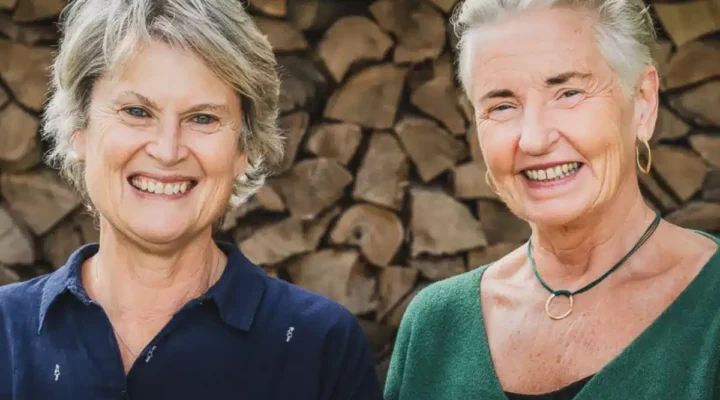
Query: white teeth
[557,172]
[150,186]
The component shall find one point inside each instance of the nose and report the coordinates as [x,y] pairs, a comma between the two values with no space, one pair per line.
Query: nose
[538,134]
[167,147]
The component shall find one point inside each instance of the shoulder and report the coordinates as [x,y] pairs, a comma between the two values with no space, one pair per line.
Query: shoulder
[17,298]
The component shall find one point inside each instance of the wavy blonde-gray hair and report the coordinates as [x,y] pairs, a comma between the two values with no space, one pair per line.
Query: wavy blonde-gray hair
[624,32]
[100,35]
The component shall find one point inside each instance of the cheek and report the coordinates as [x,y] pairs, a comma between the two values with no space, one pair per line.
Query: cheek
[498,143]
[593,131]
[216,154]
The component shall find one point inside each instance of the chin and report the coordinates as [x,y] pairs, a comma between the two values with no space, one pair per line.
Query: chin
[159,232]
[555,213]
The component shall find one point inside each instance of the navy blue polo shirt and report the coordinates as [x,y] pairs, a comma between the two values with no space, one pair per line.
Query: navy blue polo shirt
[249,337]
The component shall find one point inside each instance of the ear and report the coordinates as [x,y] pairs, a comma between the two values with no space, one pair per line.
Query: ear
[647,103]
[79,144]
[241,164]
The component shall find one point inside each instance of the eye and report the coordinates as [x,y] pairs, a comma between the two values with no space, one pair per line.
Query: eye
[570,93]
[204,119]
[136,112]
[502,112]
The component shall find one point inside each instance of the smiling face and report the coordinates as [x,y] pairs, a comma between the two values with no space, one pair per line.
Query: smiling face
[161,146]
[556,130]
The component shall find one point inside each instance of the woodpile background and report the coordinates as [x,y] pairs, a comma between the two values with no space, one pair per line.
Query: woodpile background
[381,191]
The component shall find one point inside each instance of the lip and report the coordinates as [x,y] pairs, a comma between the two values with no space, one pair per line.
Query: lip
[163,178]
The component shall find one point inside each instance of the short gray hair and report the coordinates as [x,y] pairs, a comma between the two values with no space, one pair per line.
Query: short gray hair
[624,32]
[101,35]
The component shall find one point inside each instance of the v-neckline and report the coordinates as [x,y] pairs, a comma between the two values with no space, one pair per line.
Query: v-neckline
[637,344]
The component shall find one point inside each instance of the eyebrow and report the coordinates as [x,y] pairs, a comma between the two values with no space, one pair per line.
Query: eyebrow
[219,108]
[549,82]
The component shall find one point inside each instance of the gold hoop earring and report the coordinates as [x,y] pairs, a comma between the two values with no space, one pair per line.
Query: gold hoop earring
[489,182]
[645,170]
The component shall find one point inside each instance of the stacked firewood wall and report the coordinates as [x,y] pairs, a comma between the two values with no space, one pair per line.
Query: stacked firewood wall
[382,188]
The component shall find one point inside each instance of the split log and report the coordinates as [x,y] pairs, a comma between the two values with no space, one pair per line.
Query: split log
[379,336]
[312,186]
[302,84]
[383,175]
[486,255]
[8,4]
[687,21]
[700,104]
[419,27]
[708,146]
[698,215]
[439,99]
[29,194]
[378,232]
[339,275]
[680,169]
[669,126]
[445,5]
[279,241]
[37,10]
[500,225]
[269,199]
[474,143]
[16,243]
[694,62]
[466,107]
[351,40]
[231,217]
[294,127]
[469,182]
[282,36]
[395,283]
[369,98]
[4,97]
[60,242]
[441,225]
[431,148]
[394,317]
[87,225]
[711,188]
[436,268]
[661,54]
[337,141]
[659,197]
[318,15]
[25,70]
[8,276]
[18,139]
[29,34]
[273,8]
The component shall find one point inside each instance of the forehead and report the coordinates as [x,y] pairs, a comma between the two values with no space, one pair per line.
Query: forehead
[534,45]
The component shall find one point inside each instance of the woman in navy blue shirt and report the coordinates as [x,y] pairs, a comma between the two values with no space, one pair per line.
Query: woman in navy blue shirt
[162,113]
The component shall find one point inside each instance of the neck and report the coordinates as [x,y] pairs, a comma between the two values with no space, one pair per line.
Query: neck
[593,243]
[132,281]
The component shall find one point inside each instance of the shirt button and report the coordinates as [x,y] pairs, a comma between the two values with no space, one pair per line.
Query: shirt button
[124,394]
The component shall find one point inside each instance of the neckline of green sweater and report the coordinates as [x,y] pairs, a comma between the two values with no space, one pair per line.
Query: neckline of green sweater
[678,311]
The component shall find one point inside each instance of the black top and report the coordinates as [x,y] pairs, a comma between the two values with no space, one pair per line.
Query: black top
[567,393]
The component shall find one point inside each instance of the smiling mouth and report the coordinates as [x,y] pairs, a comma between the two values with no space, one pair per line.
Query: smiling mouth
[554,173]
[151,186]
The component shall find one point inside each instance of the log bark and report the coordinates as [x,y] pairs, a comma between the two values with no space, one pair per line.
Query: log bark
[352,40]
[669,126]
[681,170]
[419,27]
[485,255]
[31,194]
[500,225]
[16,244]
[432,149]
[469,182]
[339,275]
[291,236]
[435,268]
[336,141]
[29,34]
[282,36]
[708,146]
[370,98]
[394,317]
[312,186]
[445,5]
[302,85]
[8,276]
[37,10]
[25,70]
[8,4]
[19,148]
[317,15]
[378,232]
[441,225]
[294,127]
[711,187]
[61,241]
[687,21]
[395,283]
[660,198]
[4,97]
[439,99]
[383,175]
[269,199]
[700,104]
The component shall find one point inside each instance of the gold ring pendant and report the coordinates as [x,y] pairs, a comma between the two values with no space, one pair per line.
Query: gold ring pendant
[550,300]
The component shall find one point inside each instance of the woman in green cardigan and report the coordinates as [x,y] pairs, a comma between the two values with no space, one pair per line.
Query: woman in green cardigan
[606,300]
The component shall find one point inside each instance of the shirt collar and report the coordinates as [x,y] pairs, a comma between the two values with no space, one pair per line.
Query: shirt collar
[237,294]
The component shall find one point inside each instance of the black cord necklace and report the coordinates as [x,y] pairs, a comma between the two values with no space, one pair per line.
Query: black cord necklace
[555,293]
